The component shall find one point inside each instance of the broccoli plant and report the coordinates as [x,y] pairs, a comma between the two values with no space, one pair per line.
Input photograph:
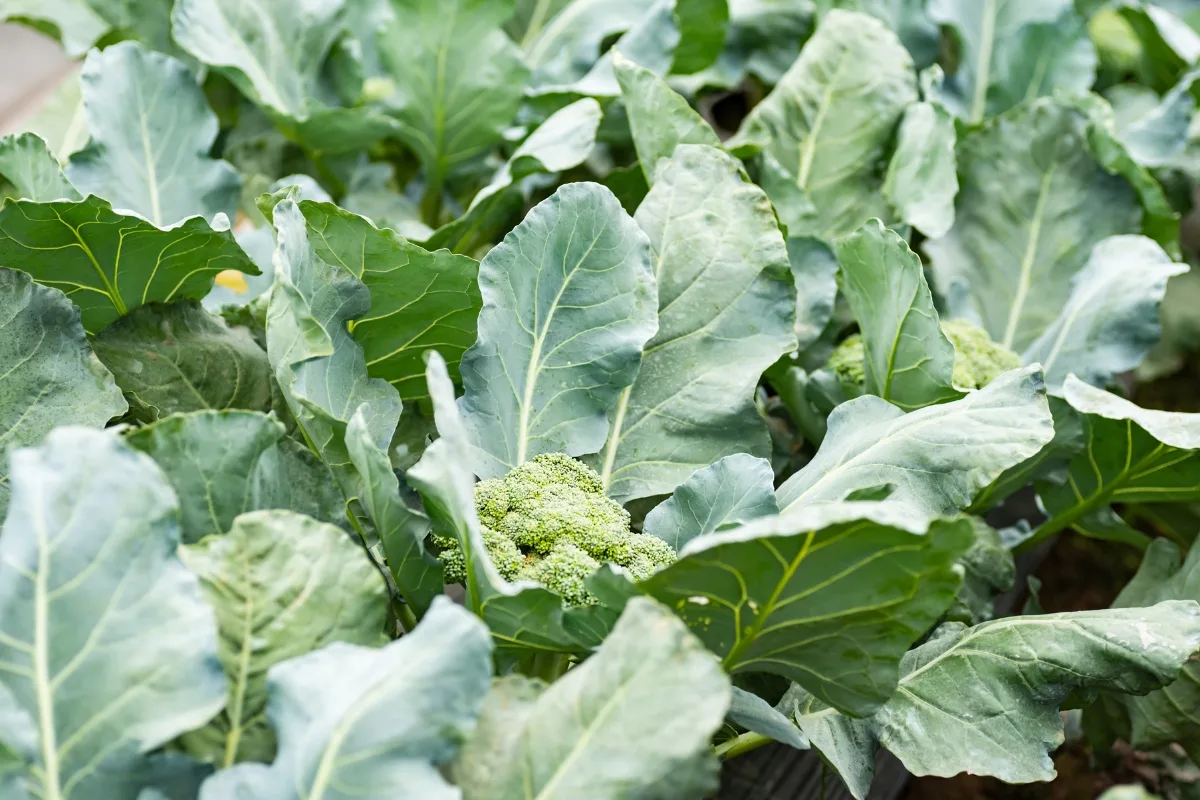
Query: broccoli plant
[424,399]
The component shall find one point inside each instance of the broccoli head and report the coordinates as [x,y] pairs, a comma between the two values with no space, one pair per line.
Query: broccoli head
[548,521]
[977,359]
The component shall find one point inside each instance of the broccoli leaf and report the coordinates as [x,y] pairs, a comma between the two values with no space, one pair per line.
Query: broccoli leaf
[110,263]
[832,117]
[562,142]
[224,463]
[178,357]
[74,23]
[1111,318]
[1027,218]
[958,449]
[151,131]
[757,715]
[561,47]
[775,595]
[89,568]
[908,18]
[659,119]
[921,180]
[334,711]
[458,80]
[27,163]
[909,361]
[48,374]
[846,743]
[736,489]
[639,713]
[282,585]
[569,301]
[419,299]
[725,314]
[1012,51]
[1131,455]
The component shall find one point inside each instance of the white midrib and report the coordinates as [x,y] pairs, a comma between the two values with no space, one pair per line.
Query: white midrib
[1025,279]
[809,150]
[614,439]
[151,172]
[983,66]
[41,665]
[236,710]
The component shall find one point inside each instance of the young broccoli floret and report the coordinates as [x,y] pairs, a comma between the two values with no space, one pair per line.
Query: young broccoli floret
[977,359]
[549,521]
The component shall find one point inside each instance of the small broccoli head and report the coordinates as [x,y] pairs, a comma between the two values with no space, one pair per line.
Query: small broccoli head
[549,521]
[977,359]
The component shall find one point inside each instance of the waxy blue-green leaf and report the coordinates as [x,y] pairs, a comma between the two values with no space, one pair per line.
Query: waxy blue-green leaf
[831,119]
[1012,51]
[938,459]
[562,142]
[60,121]
[282,585]
[725,314]
[846,743]
[152,131]
[1169,45]
[635,719]
[457,80]
[335,713]
[1130,455]
[758,716]
[110,263]
[737,489]
[562,39]
[420,300]
[909,360]
[908,18]
[108,647]
[1033,203]
[1165,716]
[922,181]
[176,358]
[985,700]
[568,303]
[50,376]
[659,118]
[988,569]
[761,39]
[224,463]
[35,174]
[650,41]
[830,596]
[1111,318]
[520,616]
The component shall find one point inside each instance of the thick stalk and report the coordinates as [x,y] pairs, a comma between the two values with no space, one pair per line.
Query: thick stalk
[549,666]
[741,744]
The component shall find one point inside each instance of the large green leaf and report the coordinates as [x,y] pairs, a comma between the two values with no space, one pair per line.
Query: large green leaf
[458,80]
[49,375]
[110,263]
[909,360]
[830,597]
[832,117]
[335,712]
[152,131]
[419,299]
[634,720]
[737,489]
[1169,45]
[758,716]
[562,142]
[27,163]
[222,464]
[988,569]
[282,585]
[178,357]
[1130,455]
[762,39]
[985,700]
[108,649]
[1110,320]
[1033,203]
[921,180]
[60,121]
[568,303]
[72,22]
[1013,50]
[659,118]
[564,38]
[908,18]
[1167,715]
[725,314]
[937,459]
[846,744]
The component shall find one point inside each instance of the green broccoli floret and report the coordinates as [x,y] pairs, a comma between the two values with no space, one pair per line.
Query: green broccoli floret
[548,521]
[977,359]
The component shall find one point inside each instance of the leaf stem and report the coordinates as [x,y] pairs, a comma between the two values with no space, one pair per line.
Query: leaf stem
[549,666]
[741,744]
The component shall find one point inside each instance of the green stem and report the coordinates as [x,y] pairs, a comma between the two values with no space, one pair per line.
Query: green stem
[549,666]
[431,204]
[742,744]
[400,609]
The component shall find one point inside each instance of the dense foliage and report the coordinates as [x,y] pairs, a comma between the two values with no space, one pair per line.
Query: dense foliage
[713,352]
